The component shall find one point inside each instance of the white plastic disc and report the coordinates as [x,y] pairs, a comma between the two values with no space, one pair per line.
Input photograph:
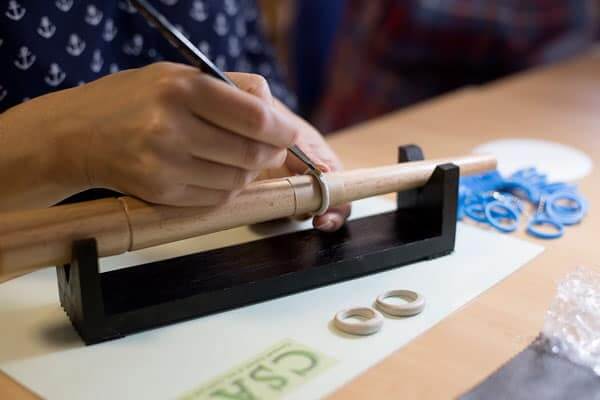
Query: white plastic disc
[561,163]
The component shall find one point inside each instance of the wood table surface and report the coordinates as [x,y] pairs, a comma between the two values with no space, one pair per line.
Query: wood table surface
[560,103]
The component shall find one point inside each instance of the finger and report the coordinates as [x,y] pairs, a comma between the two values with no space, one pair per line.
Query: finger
[333,219]
[211,175]
[319,153]
[211,143]
[297,166]
[252,83]
[241,112]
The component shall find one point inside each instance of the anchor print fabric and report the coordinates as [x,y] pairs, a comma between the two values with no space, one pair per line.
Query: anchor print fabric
[56,44]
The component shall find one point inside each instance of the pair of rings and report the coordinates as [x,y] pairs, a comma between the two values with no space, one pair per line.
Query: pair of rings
[501,216]
[371,319]
[560,208]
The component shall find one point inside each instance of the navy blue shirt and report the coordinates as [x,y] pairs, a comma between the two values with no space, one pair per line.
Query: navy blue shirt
[56,44]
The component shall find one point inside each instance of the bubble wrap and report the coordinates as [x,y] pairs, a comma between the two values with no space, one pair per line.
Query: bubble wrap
[572,324]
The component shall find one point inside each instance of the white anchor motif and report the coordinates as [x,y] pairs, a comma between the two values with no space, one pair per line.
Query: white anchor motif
[134,46]
[25,59]
[46,28]
[240,26]
[204,48]
[15,10]
[231,7]
[253,44]
[113,68]
[221,62]
[276,90]
[198,11]
[154,55]
[97,61]
[221,26]
[183,31]
[234,46]
[3,93]
[169,2]
[55,76]
[264,69]
[243,65]
[126,6]
[93,15]
[64,5]
[110,30]
[251,14]
[76,45]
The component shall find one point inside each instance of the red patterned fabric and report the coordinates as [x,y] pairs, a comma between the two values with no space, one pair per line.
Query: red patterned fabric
[392,53]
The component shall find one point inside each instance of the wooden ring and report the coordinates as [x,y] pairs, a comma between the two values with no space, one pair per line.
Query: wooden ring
[416,303]
[325,195]
[372,324]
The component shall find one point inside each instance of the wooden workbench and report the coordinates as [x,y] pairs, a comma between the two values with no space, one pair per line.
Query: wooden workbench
[559,103]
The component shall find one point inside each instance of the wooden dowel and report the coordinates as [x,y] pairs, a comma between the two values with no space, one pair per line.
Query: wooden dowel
[38,238]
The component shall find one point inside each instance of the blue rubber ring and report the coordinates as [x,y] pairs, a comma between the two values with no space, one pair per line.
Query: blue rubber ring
[476,212]
[544,220]
[524,173]
[529,191]
[562,214]
[514,202]
[512,214]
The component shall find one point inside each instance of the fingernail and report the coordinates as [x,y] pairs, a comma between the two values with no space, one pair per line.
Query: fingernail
[323,167]
[328,224]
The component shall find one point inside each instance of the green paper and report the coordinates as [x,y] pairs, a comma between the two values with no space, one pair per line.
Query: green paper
[270,375]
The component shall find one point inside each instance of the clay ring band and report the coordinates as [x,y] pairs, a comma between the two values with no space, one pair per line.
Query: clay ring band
[372,323]
[324,188]
[416,303]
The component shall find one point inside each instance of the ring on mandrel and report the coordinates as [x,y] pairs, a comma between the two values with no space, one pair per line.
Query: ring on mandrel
[324,188]
[416,303]
[372,323]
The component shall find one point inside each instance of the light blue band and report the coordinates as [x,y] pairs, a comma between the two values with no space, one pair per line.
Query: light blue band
[544,220]
[511,215]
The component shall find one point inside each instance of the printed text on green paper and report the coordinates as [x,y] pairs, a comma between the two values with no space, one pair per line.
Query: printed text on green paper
[268,376]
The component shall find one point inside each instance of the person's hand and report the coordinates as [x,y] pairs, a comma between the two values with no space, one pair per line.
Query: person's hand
[310,141]
[168,134]
[165,133]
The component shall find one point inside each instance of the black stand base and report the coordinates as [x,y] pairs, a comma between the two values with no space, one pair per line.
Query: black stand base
[104,306]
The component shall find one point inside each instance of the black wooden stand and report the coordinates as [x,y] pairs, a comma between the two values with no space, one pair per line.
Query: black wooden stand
[104,306]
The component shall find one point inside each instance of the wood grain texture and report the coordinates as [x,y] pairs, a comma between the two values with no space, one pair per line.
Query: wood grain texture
[45,234]
[558,103]
[38,238]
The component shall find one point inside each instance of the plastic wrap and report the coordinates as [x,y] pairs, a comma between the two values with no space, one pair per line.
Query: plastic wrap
[572,324]
[564,361]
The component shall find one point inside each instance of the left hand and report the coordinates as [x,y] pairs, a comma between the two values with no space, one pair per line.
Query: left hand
[312,143]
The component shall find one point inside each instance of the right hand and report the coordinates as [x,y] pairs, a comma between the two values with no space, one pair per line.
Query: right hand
[169,134]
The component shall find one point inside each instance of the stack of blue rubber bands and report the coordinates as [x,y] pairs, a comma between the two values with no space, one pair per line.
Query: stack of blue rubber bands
[502,202]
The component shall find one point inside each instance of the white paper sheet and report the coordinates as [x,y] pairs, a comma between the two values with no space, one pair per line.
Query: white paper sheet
[40,349]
